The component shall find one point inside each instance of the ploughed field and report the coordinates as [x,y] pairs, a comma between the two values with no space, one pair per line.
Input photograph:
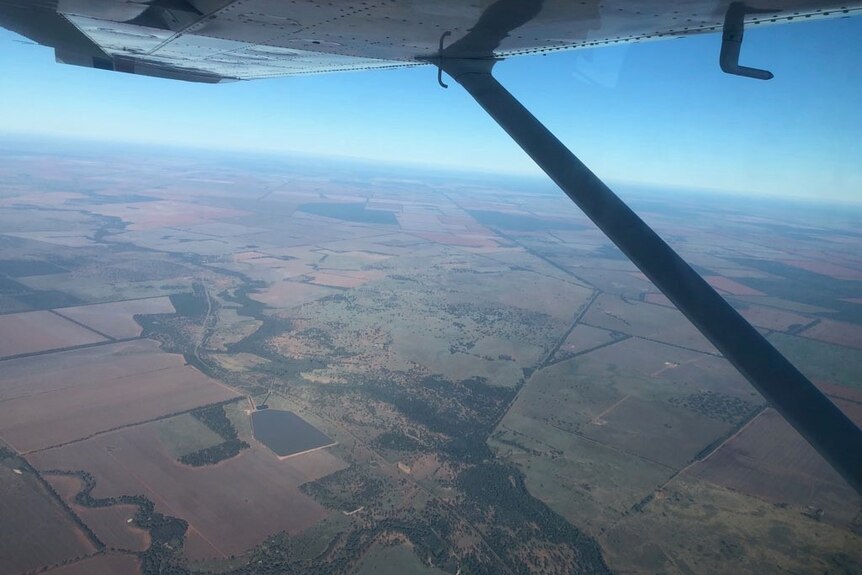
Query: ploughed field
[54,399]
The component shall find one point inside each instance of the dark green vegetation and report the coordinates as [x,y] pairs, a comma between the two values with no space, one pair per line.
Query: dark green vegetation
[397,441]
[805,286]
[350,212]
[215,418]
[464,412]
[346,490]
[24,268]
[286,433]
[717,406]
[522,222]
[27,298]
[191,305]
[525,532]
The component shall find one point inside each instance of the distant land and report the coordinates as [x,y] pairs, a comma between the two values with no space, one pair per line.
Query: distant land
[475,380]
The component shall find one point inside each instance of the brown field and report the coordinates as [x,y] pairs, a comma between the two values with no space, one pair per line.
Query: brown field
[35,331]
[110,524]
[840,391]
[65,396]
[770,460]
[288,294]
[277,269]
[163,213]
[771,318]
[826,268]
[46,199]
[243,256]
[472,241]
[363,256]
[69,239]
[730,286]
[108,564]
[116,319]
[230,506]
[344,279]
[837,332]
[35,531]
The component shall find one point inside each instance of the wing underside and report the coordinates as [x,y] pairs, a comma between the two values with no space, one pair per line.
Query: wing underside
[217,40]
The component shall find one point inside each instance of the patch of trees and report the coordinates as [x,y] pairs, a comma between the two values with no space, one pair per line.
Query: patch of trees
[716,405]
[214,417]
[496,499]
[346,490]
[397,441]
[464,411]
[191,305]
[214,454]
[429,531]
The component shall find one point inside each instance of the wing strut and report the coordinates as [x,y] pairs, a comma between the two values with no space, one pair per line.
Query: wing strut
[813,415]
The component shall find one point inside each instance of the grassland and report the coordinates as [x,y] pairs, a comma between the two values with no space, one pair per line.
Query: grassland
[393,560]
[822,361]
[505,391]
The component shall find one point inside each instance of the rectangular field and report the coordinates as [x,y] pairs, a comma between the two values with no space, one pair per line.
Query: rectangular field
[37,331]
[35,531]
[648,321]
[61,397]
[837,332]
[230,507]
[826,268]
[287,294]
[116,319]
[771,461]
[774,319]
[730,286]
[108,564]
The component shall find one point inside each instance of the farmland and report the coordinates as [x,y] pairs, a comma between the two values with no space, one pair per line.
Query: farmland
[116,319]
[223,519]
[474,380]
[25,543]
[110,524]
[94,390]
[38,331]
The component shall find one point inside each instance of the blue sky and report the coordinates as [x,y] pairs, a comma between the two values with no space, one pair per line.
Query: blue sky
[659,113]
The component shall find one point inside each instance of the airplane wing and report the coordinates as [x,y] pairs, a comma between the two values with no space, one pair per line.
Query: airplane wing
[223,40]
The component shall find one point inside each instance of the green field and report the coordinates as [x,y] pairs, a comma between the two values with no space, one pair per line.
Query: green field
[393,560]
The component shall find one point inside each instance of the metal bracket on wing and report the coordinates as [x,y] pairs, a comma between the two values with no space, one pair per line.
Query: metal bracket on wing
[731,41]
[438,61]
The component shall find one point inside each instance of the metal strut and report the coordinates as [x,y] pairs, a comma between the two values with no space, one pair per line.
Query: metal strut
[813,415]
[731,41]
